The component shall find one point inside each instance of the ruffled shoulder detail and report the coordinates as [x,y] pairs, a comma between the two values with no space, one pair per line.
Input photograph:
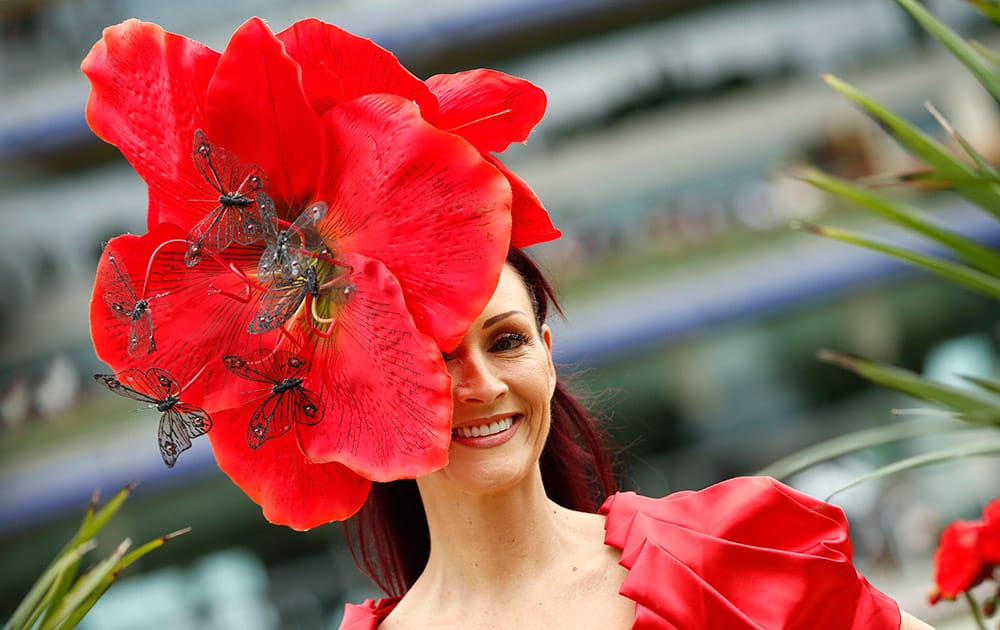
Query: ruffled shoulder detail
[367,615]
[749,552]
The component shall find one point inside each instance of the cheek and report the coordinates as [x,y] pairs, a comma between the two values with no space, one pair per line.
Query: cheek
[538,384]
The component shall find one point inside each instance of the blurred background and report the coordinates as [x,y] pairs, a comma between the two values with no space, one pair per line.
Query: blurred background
[693,312]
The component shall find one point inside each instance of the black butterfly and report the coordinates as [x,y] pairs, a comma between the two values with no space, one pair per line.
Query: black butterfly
[236,218]
[180,422]
[287,400]
[120,297]
[289,251]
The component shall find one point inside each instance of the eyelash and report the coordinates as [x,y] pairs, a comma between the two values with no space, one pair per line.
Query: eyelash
[521,340]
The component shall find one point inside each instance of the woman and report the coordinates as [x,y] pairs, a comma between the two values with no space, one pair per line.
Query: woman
[313,244]
[505,535]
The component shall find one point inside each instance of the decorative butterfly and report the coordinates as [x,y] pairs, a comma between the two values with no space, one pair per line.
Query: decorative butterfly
[287,400]
[289,251]
[180,422]
[129,308]
[236,218]
[282,299]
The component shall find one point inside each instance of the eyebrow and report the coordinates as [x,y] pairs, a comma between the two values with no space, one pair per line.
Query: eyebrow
[496,318]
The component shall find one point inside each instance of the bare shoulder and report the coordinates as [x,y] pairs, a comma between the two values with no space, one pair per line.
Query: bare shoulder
[597,576]
[909,622]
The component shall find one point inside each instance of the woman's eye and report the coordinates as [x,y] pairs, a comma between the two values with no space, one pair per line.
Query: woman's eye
[509,341]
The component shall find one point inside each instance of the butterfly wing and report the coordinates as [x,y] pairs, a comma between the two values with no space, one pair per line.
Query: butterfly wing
[172,436]
[156,382]
[200,238]
[306,226]
[277,305]
[268,216]
[140,341]
[119,294]
[276,413]
[274,264]
[121,384]
[223,171]
[260,365]
[272,418]
[288,364]
[236,218]
[196,420]
[305,406]
[248,224]
[205,156]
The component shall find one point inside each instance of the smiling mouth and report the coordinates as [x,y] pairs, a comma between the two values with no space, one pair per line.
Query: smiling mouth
[483,430]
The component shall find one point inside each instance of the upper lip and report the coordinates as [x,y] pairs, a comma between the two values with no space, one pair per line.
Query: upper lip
[475,422]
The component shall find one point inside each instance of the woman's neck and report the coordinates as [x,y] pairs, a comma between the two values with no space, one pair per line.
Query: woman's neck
[494,545]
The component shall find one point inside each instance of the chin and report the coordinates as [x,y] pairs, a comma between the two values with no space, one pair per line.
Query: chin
[479,474]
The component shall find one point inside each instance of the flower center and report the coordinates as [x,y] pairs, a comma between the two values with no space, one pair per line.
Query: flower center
[299,267]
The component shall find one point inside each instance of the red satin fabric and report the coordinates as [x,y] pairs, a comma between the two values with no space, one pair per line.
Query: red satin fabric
[745,553]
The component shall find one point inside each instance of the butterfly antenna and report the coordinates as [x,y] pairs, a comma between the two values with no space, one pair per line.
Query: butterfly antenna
[152,257]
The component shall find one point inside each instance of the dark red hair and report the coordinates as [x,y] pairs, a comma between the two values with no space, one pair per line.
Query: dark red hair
[388,537]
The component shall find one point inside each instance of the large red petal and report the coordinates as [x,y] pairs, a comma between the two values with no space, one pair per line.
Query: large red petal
[423,202]
[338,66]
[148,98]
[387,398]
[530,222]
[488,108]
[258,111]
[198,314]
[290,489]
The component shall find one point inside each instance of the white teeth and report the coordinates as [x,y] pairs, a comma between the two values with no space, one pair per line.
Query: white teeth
[485,429]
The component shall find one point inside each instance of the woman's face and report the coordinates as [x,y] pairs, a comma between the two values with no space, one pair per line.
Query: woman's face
[502,384]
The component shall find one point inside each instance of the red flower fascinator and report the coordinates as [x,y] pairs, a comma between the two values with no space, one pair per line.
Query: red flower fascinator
[322,224]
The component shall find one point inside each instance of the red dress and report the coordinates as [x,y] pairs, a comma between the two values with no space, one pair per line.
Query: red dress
[746,553]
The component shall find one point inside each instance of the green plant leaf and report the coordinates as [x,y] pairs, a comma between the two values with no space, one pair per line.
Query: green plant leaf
[975,449]
[94,521]
[33,603]
[989,8]
[926,148]
[139,552]
[86,586]
[81,611]
[962,401]
[986,53]
[856,441]
[985,383]
[986,169]
[956,272]
[928,177]
[977,65]
[60,599]
[105,583]
[980,256]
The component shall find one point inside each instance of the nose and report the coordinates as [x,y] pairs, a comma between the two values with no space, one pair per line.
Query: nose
[475,380]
